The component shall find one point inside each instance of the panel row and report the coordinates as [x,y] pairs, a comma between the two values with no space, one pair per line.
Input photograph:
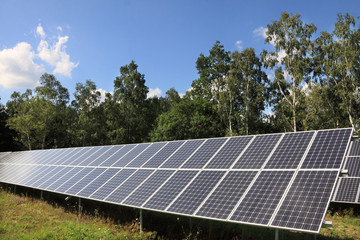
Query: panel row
[322,149]
[236,196]
[348,190]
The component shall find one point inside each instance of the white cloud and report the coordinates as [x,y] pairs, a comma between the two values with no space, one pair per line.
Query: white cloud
[260,32]
[59,28]
[154,92]
[40,31]
[103,94]
[56,56]
[238,44]
[17,68]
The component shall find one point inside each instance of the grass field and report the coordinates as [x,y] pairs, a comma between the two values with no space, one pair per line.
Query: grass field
[24,217]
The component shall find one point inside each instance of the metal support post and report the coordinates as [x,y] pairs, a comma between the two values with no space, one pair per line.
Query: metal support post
[79,206]
[190,224]
[141,220]
[41,195]
[276,234]
[315,236]
[14,189]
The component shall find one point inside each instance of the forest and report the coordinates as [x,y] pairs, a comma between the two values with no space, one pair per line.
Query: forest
[309,81]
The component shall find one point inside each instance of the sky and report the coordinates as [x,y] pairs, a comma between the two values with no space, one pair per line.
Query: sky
[81,40]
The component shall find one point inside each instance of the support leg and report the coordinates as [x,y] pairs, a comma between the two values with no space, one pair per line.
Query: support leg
[190,224]
[79,206]
[41,195]
[14,189]
[276,234]
[141,220]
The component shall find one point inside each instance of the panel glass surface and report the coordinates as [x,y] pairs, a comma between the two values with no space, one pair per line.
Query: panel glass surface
[61,156]
[85,180]
[146,189]
[49,156]
[117,156]
[85,156]
[146,155]
[355,148]
[258,151]
[229,153]
[73,156]
[348,189]
[328,149]
[64,178]
[204,153]
[170,190]
[306,202]
[61,171]
[39,179]
[95,156]
[290,151]
[21,173]
[122,162]
[196,192]
[163,154]
[33,175]
[112,184]
[263,197]
[182,154]
[102,160]
[74,179]
[223,200]
[128,186]
[353,166]
[98,182]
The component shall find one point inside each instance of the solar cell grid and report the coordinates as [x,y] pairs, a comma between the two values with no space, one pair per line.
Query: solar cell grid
[353,166]
[112,184]
[146,155]
[59,172]
[164,196]
[182,154]
[33,176]
[40,178]
[328,149]
[163,154]
[348,190]
[128,186]
[222,201]
[84,157]
[306,202]
[138,197]
[95,156]
[74,179]
[69,158]
[85,180]
[62,179]
[263,197]
[117,156]
[100,160]
[355,148]
[229,153]
[16,173]
[196,192]
[48,156]
[290,151]
[124,160]
[256,154]
[60,156]
[204,153]
[98,182]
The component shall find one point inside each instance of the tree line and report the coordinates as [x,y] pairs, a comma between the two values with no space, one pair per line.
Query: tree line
[307,82]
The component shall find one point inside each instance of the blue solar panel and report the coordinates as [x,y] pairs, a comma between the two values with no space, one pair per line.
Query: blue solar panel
[353,166]
[163,154]
[78,186]
[348,190]
[118,156]
[133,153]
[146,155]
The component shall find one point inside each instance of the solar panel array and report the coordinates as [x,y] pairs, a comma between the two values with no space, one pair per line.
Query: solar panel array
[274,180]
[348,188]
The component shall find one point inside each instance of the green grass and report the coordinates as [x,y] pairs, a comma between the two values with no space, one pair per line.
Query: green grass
[22,217]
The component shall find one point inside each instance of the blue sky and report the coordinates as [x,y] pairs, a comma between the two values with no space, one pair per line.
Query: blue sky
[80,40]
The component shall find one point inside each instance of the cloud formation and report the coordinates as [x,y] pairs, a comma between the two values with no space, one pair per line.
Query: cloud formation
[154,92]
[17,68]
[21,66]
[238,44]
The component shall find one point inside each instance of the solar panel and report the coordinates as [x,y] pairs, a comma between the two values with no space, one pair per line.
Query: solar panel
[355,148]
[276,180]
[328,149]
[229,153]
[263,197]
[304,204]
[290,151]
[196,192]
[353,166]
[182,154]
[348,190]
[259,150]
[144,191]
[167,193]
[109,186]
[204,153]
[222,201]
